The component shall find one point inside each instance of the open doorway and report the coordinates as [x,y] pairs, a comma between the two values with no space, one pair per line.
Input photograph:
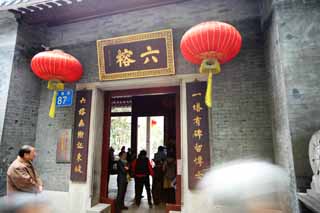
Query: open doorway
[151,134]
[142,119]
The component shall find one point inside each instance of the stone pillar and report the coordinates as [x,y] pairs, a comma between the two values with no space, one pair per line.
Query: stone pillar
[282,143]
[83,196]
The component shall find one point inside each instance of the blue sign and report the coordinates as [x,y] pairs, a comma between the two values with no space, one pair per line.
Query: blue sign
[64,98]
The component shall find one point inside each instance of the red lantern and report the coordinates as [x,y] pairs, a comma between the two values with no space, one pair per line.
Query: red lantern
[57,67]
[210,44]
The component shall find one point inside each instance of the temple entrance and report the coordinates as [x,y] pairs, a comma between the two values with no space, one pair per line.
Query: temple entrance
[143,119]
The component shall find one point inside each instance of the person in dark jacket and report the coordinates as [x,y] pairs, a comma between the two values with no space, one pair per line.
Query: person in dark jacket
[157,182]
[122,181]
[142,168]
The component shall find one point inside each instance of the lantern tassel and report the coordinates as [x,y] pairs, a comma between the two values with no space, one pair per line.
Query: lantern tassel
[210,66]
[54,85]
[53,105]
[208,98]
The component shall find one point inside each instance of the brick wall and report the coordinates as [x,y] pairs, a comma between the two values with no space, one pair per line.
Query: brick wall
[241,125]
[55,176]
[23,98]
[8,36]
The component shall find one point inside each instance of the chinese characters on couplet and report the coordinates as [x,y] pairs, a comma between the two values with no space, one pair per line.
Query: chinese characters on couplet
[198,135]
[197,107]
[82,111]
[80,145]
[197,121]
[81,123]
[81,136]
[125,57]
[77,169]
[198,147]
[83,100]
[199,175]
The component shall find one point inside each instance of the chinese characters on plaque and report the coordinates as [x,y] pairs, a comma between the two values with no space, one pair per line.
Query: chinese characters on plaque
[198,135]
[135,56]
[81,136]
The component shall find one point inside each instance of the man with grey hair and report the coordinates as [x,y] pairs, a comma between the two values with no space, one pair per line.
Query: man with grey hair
[21,175]
[247,186]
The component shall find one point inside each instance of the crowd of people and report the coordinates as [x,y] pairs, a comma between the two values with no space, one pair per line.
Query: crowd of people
[162,168]
[257,187]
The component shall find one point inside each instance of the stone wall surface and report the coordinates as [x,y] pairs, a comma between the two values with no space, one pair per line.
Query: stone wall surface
[300,53]
[292,57]
[297,24]
[282,146]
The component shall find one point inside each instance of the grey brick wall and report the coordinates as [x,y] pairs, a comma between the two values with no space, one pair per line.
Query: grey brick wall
[177,16]
[55,176]
[81,41]
[241,125]
[8,36]
[23,98]
[240,116]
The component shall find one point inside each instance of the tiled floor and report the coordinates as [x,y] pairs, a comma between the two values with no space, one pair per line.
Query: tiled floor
[129,199]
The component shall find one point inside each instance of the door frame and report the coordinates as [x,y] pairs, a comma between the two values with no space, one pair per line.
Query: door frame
[106,139]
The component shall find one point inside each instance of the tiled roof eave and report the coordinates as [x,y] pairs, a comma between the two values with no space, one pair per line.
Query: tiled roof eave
[17,4]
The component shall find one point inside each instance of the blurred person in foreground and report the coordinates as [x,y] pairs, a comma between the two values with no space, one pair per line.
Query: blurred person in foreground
[21,175]
[24,203]
[241,187]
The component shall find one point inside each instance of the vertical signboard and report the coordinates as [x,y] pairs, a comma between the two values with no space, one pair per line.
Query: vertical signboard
[198,133]
[81,136]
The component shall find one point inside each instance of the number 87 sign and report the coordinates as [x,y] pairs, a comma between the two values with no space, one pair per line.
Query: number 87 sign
[64,98]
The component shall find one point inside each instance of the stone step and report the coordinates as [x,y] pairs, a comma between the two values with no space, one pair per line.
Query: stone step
[310,202]
[100,208]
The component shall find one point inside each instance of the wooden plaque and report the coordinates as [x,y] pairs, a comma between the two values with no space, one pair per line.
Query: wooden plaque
[136,56]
